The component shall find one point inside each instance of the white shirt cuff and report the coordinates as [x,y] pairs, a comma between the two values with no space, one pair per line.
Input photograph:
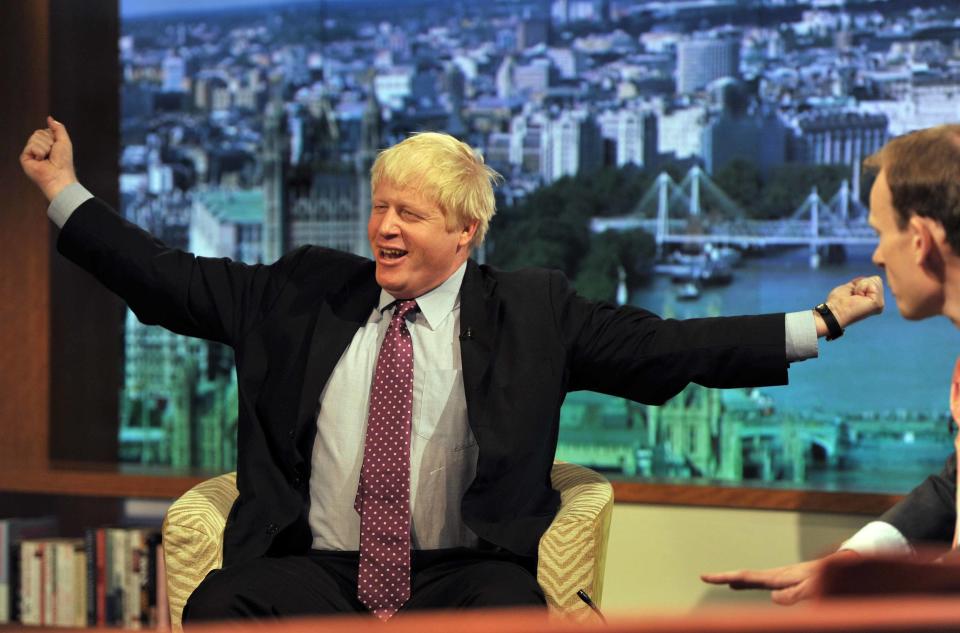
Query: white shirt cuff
[66,202]
[801,336]
[878,537]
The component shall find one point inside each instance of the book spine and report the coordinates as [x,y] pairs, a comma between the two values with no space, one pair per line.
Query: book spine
[48,584]
[28,595]
[143,579]
[57,584]
[150,590]
[67,589]
[163,603]
[80,601]
[16,581]
[90,584]
[31,582]
[6,551]
[116,575]
[4,602]
[133,564]
[101,580]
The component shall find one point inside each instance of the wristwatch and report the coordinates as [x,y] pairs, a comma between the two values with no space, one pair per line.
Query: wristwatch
[834,331]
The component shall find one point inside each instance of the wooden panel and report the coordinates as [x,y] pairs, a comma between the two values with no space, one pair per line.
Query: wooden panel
[59,355]
[756,498]
[880,614]
[86,343]
[24,238]
[108,481]
[112,480]
[74,514]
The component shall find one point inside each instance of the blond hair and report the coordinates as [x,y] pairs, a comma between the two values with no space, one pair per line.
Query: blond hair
[922,169]
[446,170]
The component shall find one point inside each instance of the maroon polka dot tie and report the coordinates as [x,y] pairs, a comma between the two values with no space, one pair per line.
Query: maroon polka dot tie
[383,497]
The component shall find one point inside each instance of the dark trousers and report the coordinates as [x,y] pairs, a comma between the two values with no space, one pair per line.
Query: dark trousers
[323,582]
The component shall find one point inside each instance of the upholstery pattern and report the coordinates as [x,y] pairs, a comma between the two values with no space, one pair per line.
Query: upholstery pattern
[193,538]
[572,551]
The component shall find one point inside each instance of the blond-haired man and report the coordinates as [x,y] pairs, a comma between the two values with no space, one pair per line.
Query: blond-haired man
[399,417]
[915,210]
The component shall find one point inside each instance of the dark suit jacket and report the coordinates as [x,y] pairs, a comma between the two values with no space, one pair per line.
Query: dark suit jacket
[929,513]
[531,340]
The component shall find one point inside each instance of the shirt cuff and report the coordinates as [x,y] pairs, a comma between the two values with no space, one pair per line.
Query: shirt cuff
[878,537]
[66,202]
[801,336]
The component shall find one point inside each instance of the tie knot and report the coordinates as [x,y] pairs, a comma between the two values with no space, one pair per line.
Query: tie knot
[403,309]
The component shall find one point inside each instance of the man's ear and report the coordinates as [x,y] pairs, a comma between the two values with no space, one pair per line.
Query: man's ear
[467,233]
[928,239]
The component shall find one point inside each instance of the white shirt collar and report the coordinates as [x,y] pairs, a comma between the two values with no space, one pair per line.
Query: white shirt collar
[436,305]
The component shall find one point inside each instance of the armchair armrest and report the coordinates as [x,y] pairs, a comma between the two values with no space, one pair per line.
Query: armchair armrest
[573,550]
[193,538]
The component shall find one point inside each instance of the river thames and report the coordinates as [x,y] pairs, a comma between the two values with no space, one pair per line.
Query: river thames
[884,365]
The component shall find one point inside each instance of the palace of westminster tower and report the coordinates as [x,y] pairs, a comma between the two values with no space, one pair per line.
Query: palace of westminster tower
[316,193]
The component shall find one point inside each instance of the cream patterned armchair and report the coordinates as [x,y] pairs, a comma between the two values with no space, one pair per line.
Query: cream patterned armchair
[572,551]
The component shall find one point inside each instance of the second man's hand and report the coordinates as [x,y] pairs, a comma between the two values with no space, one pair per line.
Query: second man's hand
[787,585]
[853,301]
[47,159]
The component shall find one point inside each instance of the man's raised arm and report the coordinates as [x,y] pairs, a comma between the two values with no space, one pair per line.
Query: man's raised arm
[210,298]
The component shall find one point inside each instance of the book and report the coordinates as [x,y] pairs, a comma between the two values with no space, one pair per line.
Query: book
[48,582]
[90,575]
[65,588]
[152,588]
[163,602]
[115,574]
[136,601]
[12,532]
[100,577]
[31,582]
[80,583]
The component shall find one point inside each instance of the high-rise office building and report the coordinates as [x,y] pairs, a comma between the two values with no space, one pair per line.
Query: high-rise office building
[633,133]
[700,61]
[533,79]
[174,73]
[841,138]
[531,32]
[573,145]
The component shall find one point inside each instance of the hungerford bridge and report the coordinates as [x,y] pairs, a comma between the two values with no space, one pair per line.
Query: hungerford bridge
[697,211]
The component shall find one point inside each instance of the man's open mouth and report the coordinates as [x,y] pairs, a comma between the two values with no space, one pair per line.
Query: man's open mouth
[392,253]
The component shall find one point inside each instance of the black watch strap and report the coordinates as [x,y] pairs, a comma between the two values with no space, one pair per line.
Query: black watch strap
[834,330]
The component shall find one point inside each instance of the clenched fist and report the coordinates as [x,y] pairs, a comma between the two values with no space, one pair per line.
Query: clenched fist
[47,159]
[855,300]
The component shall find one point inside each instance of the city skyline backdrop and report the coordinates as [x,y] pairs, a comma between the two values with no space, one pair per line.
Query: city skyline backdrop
[641,143]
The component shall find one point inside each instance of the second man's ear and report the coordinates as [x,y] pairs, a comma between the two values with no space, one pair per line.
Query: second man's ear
[927,240]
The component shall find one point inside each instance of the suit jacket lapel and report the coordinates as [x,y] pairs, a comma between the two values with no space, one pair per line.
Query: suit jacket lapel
[337,322]
[479,325]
